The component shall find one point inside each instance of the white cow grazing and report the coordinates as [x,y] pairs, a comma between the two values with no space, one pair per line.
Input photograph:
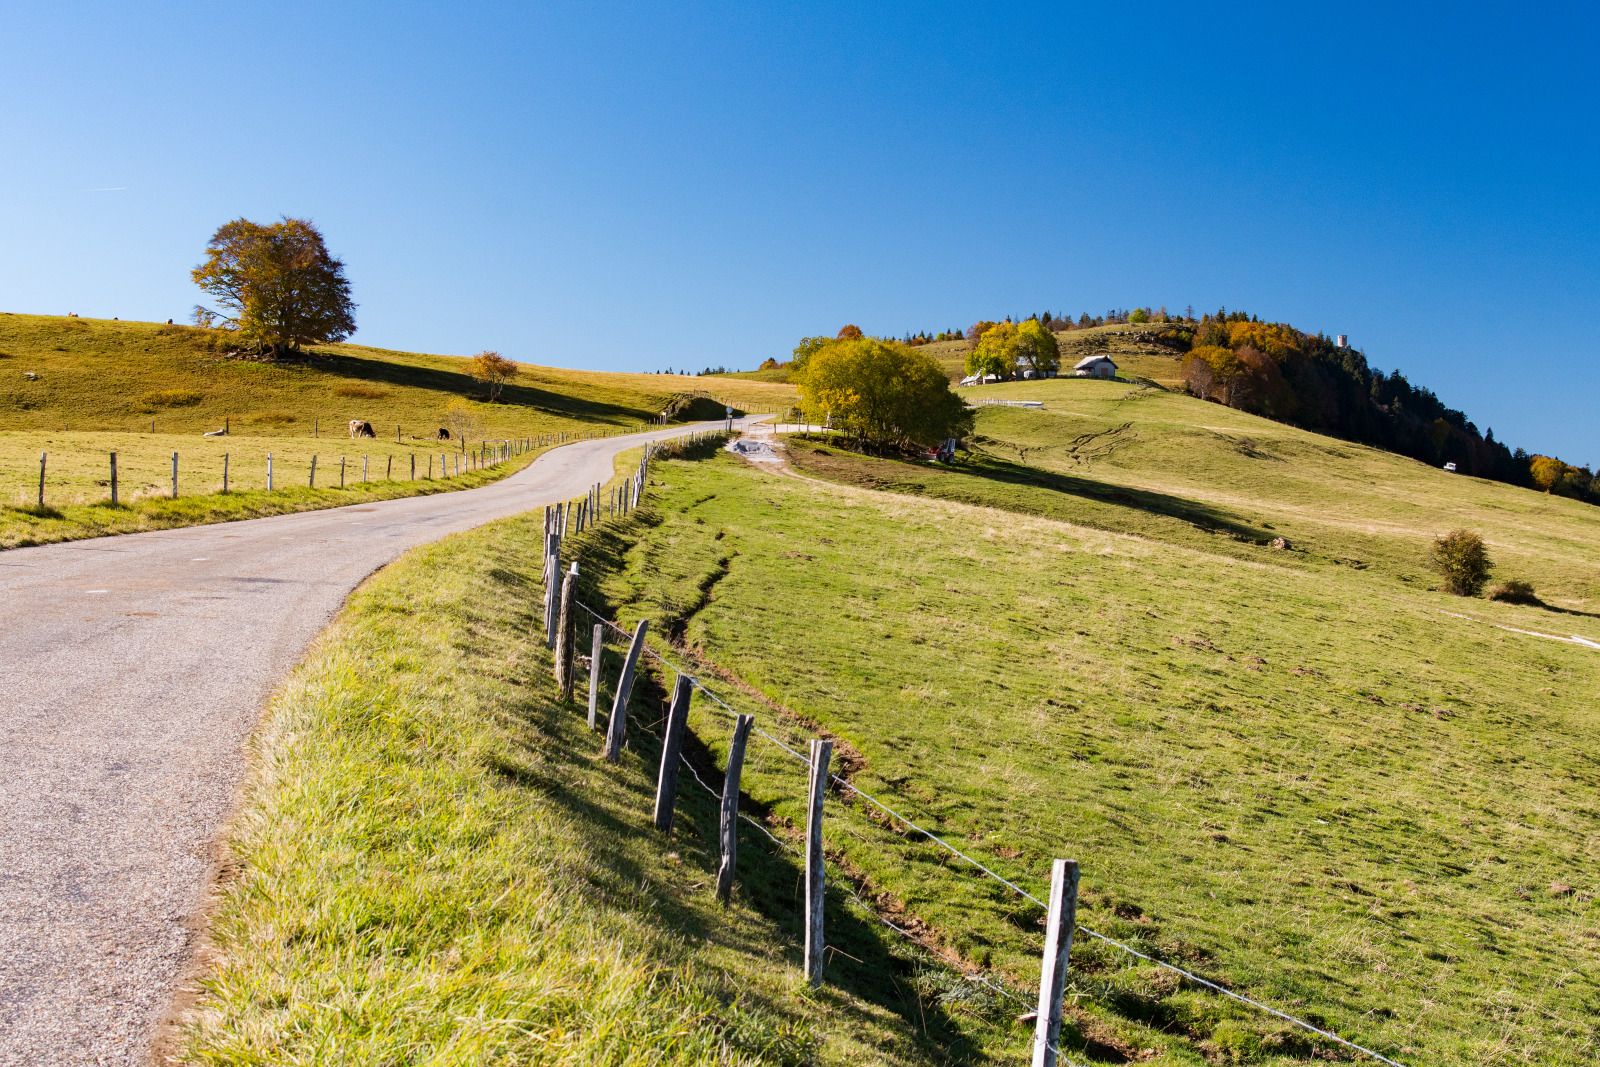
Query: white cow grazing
[360,428]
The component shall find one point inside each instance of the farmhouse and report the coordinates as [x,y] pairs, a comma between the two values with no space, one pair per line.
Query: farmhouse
[1095,367]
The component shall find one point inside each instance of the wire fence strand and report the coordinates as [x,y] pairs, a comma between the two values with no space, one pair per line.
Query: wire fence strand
[1008,883]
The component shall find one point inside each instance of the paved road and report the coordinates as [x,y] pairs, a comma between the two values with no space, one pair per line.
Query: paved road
[132,669]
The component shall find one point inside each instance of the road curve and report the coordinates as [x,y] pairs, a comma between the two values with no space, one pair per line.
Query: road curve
[132,669]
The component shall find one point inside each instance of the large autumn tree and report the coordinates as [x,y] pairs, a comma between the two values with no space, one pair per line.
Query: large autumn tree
[278,283]
[882,393]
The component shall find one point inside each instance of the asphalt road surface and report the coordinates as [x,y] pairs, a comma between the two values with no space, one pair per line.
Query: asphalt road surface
[132,670]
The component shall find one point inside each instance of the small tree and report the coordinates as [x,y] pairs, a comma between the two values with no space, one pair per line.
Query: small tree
[463,420]
[1461,559]
[850,333]
[995,353]
[883,393]
[1037,347]
[494,371]
[281,285]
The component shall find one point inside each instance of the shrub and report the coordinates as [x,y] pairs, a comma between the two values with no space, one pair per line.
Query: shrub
[361,392]
[883,393]
[272,418]
[1461,559]
[171,398]
[1515,591]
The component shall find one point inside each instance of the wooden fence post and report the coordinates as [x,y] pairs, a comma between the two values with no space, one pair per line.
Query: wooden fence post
[1059,927]
[42,456]
[596,665]
[730,807]
[616,728]
[269,472]
[224,472]
[114,479]
[341,472]
[671,748]
[816,884]
[566,634]
[174,476]
[552,589]
[313,471]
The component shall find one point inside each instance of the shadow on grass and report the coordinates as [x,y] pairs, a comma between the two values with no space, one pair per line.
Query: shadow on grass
[445,381]
[946,483]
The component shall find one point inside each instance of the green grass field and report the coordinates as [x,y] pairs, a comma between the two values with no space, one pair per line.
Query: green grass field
[1303,772]
[1300,776]
[434,866]
[99,387]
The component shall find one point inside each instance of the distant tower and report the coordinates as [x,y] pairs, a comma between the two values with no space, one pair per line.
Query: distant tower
[1342,341]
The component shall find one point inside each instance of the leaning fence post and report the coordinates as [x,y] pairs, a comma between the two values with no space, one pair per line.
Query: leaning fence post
[313,472]
[730,807]
[816,788]
[619,704]
[671,747]
[565,634]
[114,479]
[596,664]
[1059,927]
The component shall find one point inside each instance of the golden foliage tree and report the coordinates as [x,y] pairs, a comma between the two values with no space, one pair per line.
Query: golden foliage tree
[280,284]
[494,371]
[850,333]
[882,393]
[995,353]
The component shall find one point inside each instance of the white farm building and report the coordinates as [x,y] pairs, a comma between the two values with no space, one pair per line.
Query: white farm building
[1095,367]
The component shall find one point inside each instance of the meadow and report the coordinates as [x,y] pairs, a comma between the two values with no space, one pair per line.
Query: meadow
[77,390]
[433,865]
[1301,778]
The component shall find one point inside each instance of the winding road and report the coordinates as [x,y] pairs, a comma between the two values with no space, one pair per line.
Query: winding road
[132,670]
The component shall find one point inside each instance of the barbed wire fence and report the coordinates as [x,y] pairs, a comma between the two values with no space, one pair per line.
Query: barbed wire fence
[560,613]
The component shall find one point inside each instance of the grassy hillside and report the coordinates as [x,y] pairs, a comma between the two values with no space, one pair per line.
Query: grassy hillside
[146,391]
[1300,775]
[117,376]
[1136,356]
[432,865]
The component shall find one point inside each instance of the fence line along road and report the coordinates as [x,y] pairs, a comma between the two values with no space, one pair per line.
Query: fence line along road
[133,669]
[1060,907]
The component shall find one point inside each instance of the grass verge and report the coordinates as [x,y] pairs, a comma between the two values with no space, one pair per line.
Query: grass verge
[433,866]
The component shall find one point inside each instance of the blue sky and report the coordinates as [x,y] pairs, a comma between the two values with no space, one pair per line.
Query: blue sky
[636,187]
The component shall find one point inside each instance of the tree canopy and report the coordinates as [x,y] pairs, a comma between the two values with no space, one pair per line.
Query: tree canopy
[1037,347]
[996,351]
[882,393]
[279,282]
